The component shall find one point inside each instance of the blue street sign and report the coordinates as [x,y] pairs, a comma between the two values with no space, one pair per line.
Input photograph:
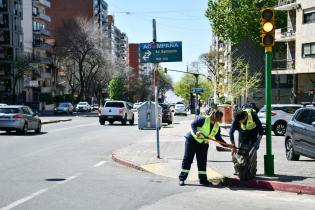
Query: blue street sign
[197,90]
[160,52]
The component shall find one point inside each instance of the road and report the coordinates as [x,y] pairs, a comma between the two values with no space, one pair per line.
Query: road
[69,166]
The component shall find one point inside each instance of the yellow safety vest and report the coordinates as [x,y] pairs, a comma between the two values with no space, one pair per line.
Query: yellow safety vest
[250,124]
[205,130]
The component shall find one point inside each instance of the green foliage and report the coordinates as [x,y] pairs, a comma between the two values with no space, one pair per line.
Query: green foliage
[116,89]
[46,97]
[184,86]
[235,20]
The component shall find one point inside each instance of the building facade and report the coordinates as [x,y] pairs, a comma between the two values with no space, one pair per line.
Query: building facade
[11,46]
[297,65]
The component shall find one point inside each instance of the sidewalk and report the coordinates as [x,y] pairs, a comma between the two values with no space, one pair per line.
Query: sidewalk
[291,176]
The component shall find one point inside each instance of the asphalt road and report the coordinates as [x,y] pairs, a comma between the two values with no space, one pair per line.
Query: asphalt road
[69,166]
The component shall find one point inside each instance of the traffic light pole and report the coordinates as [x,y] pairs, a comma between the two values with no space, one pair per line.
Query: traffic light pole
[268,158]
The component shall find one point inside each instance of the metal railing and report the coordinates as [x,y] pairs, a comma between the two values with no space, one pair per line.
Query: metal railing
[42,2]
[285,33]
[285,2]
[283,64]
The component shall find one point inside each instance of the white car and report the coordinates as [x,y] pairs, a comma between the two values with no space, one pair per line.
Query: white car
[180,109]
[83,107]
[137,105]
[116,111]
[281,114]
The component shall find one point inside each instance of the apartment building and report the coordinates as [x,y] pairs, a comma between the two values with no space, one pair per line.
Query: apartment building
[61,10]
[11,46]
[36,33]
[296,67]
[225,55]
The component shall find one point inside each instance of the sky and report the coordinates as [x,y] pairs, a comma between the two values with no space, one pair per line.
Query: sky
[176,20]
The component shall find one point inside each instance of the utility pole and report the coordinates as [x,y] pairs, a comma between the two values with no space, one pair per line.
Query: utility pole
[157,121]
[197,108]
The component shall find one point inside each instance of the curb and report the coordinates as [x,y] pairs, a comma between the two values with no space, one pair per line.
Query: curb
[271,185]
[124,162]
[55,121]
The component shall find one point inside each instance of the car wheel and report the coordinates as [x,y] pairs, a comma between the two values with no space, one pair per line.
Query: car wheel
[39,128]
[24,130]
[111,122]
[289,150]
[8,131]
[132,121]
[102,122]
[280,128]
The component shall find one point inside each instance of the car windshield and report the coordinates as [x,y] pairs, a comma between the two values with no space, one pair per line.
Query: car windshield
[114,104]
[63,105]
[83,103]
[9,110]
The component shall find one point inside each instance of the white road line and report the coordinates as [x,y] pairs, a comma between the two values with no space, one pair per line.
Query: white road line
[99,164]
[67,180]
[23,200]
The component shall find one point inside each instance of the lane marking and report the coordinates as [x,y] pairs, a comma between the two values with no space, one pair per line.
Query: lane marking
[23,200]
[68,179]
[99,164]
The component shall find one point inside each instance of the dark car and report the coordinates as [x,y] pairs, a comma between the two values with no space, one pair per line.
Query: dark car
[167,116]
[64,108]
[300,134]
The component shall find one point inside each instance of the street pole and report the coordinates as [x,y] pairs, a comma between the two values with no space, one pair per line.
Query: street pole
[197,102]
[157,123]
[246,93]
[268,158]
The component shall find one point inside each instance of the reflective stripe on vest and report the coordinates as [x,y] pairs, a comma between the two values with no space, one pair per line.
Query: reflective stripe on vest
[205,130]
[250,124]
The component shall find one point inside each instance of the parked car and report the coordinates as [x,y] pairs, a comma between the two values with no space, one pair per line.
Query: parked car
[64,108]
[300,135]
[83,107]
[136,105]
[19,118]
[167,116]
[281,114]
[95,107]
[180,109]
[116,111]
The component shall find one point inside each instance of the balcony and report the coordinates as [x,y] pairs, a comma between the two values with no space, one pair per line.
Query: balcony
[283,66]
[285,34]
[42,46]
[42,16]
[45,89]
[42,31]
[42,3]
[286,5]
[31,84]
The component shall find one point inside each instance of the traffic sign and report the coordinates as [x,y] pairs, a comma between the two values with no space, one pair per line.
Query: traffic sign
[197,90]
[160,52]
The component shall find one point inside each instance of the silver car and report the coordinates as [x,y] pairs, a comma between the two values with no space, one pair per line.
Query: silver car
[19,118]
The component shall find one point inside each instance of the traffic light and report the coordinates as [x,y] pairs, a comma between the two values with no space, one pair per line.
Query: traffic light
[267,31]
[165,70]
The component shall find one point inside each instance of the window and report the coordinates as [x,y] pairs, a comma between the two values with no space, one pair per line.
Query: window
[309,15]
[308,50]
[304,116]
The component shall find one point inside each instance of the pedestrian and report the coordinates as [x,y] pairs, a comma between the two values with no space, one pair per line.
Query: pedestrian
[202,128]
[250,130]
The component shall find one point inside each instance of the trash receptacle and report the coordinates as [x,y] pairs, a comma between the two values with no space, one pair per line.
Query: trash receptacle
[227,113]
[146,116]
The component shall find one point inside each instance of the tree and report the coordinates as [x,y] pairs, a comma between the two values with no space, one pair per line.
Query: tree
[235,20]
[116,89]
[183,88]
[242,79]
[22,70]
[165,83]
[81,48]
